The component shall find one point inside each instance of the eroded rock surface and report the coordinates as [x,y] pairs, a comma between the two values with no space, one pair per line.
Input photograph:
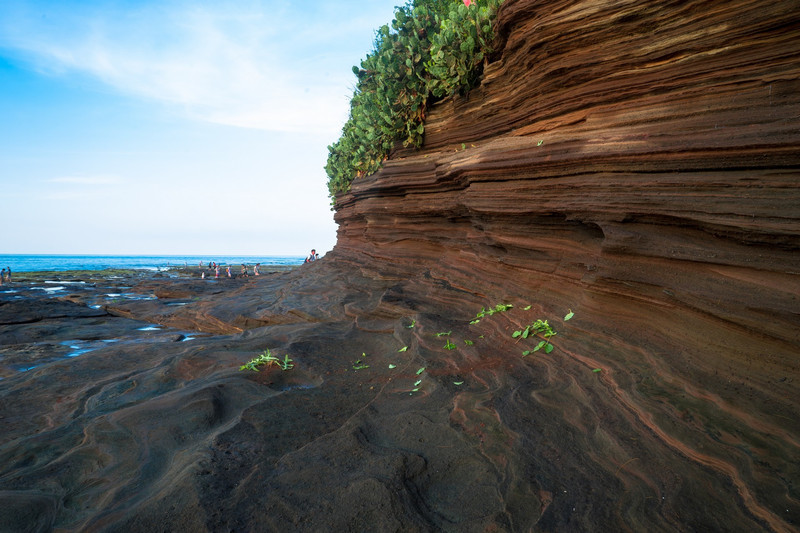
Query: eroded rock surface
[636,163]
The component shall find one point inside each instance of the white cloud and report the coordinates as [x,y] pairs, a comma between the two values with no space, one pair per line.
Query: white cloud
[256,66]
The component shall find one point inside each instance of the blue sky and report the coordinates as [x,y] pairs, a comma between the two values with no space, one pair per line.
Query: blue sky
[174,127]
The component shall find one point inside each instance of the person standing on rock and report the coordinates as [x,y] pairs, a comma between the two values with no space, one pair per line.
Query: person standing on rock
[228,270]
[244,271]
[312,257]
[8,274]
[216,272]
[255,269]
[2,276]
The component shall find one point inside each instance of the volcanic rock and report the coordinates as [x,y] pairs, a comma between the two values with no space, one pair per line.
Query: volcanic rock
[636,164]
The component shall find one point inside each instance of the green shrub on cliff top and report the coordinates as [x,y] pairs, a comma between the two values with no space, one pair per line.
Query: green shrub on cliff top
[433,47]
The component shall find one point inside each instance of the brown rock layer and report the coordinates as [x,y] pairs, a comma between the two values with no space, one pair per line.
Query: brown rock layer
[640,164]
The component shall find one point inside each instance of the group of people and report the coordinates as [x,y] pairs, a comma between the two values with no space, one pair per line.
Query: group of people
[215,268]
[5,275]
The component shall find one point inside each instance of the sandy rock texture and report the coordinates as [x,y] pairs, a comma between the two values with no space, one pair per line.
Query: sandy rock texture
[636,163]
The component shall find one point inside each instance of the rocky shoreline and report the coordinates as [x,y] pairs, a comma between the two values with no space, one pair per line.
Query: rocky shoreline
[633,164]
[400,413]
[46,316]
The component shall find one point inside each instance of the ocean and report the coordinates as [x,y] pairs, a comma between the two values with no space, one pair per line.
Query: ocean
[36,263]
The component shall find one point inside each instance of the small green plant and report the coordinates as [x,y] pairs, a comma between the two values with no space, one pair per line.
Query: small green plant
[444,333]
[418,382]
[359,364]
[403,349]
[413,323]
[468,342]
[267,359]
[286,364]
[538,328]
[450,345]
[499,308]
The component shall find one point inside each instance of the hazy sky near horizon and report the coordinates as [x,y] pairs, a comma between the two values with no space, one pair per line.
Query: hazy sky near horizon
[174,126]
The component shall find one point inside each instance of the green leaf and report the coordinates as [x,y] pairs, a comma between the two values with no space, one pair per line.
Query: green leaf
[418,382]
[458,383]
[403,349]
[413,323]
[526,352]
[540,143]
[548,348]
[392,366]
[597,370]
[421,370]
[539,346]
[569,315]
[444,333]
[527,308]
[468,342]
[516,334]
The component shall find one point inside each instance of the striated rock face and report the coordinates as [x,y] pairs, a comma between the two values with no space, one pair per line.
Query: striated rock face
[637,163]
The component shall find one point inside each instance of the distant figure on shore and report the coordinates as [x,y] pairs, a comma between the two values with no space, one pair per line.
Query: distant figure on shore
[2,276]
[203,275]
[312,257]
[216,271]
[228,270]
[255,270]
[244,271]
[8,274]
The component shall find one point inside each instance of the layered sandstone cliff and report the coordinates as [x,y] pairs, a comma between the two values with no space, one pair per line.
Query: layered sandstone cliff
[639,163]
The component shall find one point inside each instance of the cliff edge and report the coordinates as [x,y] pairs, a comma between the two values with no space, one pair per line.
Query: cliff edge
[638,163]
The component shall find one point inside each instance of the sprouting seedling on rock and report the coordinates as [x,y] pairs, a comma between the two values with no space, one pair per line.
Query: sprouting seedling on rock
[499,308]
[359,365]
[540,328]
[267,359]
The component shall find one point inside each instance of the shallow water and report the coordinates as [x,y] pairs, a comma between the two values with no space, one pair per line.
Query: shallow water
[38,263]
